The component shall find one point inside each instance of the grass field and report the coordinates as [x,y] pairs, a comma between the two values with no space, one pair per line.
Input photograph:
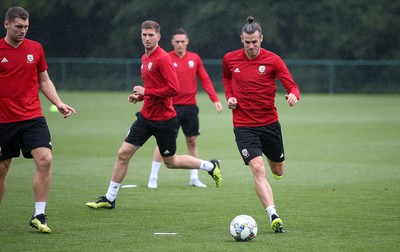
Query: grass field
[340,192]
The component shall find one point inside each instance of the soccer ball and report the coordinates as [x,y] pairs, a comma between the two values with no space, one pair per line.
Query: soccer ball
[243,228]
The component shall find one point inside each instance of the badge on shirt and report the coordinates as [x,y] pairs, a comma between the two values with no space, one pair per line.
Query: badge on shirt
[261,69]
[191,63]
[30,59]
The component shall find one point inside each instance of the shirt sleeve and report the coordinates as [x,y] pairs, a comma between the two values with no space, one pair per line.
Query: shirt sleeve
[226,78]
[205,81]
[286,78]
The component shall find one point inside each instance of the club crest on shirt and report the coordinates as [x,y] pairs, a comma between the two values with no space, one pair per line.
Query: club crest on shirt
[175,64]
[191,63]
[261,69]
[149,66]
[245,153]
[30,58]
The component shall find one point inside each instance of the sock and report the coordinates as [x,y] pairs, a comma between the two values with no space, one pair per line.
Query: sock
[206,165]
[271,211]
[39,208]
[194,174]
[155,168]
[112,191]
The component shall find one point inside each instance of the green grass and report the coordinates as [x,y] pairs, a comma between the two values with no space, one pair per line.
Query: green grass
[340,192]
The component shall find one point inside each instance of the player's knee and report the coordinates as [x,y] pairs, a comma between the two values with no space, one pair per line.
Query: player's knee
[3,169]
[44,161]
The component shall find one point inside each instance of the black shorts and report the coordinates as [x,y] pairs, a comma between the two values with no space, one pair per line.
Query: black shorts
[254,141]
[165,133]
[23,136]
[188,119]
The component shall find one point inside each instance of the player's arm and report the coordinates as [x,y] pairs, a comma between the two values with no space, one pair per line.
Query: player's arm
[206,82]
[167,71]
[49,90]
[293,91]
[227,83]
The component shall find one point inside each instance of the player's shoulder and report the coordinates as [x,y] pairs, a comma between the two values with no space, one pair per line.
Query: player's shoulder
[268,53]
[31,42]
[233,55]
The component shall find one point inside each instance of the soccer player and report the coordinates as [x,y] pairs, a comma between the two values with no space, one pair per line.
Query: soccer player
[249,79]
[157,118]
[188,66]
[23,70]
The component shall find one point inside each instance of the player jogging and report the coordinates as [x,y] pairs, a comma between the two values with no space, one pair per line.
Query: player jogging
[249,76]
[157,118]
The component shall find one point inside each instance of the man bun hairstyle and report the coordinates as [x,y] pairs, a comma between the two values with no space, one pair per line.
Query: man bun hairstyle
[251,26]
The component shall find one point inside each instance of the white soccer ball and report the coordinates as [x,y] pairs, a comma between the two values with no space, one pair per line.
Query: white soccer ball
[243,228]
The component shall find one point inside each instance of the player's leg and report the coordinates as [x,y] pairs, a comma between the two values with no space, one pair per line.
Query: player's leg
[264,192]
[121,166]
[10,141]
[42,178]
[155,168]
[191,143]
[188,162]
[261,185]
[4,167]
[277,168]
[137,136]
[41,186]
[36,144]
[272,143]
[166,141]
[188,118]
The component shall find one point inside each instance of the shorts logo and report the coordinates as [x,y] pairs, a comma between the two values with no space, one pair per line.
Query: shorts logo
[30,58]
[245,153]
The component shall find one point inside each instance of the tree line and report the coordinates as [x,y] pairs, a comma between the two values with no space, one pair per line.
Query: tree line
[295,29]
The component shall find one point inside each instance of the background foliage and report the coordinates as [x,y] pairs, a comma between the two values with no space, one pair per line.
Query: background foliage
[296,29]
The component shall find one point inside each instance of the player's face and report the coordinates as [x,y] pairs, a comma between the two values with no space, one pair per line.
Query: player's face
[16,29]
[150,39]
[180,42]
[252,43]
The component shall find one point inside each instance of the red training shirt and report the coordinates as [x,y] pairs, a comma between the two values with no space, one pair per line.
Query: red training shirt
[253,84]
[19,87]
[188,68]
[161,84]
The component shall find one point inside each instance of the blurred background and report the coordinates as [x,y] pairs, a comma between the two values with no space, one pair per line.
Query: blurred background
[330,46]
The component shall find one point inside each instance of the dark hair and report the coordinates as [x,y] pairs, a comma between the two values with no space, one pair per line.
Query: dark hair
[251,26]
[179,31]
[150,24]
[16,12]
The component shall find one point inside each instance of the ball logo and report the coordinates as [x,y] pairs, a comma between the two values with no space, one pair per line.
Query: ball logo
[245,153]
[29,58]
[191,63]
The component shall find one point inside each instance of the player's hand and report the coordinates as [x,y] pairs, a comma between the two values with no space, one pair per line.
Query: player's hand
[218,106]
[291,99]
[66,110]
[138,90]
[232,103]
[133,98]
